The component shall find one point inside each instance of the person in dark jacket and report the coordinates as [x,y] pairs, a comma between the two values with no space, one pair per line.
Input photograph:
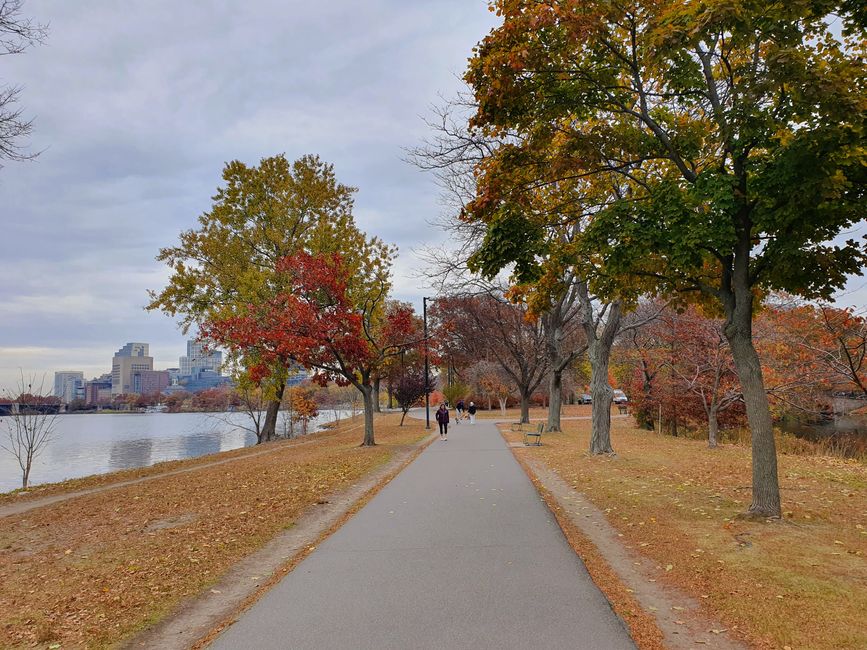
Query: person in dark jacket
[472,412]
[442,416]
[459,407]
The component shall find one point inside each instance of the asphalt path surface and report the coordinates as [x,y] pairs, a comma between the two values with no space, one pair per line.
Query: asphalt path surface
[458,551]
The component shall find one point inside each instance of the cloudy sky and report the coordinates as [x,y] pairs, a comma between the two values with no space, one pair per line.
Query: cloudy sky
[139,104]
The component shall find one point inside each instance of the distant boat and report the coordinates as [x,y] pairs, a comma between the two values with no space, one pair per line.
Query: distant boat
[159,408]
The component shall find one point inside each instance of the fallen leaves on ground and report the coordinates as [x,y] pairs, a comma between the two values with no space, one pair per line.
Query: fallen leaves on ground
[801,581]
[92,570]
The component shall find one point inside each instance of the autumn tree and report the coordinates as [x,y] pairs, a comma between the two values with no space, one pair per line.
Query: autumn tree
[410,389]
[393,366]
[174,402]
[300,408]
[455,391]
[729,138]
[702,366]
[211,399]
[452,154]
[793,347]
[147,399]
[492,328]
[640,361]
[488,382]
[261,215]
[329,317]
[250,401]
[840,345]
[17,34]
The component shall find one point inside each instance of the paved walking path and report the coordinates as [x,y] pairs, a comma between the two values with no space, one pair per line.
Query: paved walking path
[457,551]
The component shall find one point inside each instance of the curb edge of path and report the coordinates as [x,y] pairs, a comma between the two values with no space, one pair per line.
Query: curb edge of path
[654,621]
[197,621]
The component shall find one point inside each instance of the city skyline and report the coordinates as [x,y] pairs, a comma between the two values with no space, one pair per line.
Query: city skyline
[132,371]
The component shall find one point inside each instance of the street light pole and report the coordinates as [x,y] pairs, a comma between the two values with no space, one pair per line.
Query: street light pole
[426,369]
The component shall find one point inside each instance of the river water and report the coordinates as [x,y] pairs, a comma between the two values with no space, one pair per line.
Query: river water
[85,444]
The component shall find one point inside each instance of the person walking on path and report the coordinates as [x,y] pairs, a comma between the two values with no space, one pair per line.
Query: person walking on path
[472,411]
[459,407]
[442,416]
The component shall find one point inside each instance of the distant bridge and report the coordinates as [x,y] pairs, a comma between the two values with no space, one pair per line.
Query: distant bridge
[12,408]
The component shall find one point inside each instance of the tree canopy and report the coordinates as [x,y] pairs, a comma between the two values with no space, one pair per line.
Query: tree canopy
[713,148]
[260,216]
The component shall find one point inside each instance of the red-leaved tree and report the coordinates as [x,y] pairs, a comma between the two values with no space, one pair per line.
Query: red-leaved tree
[344,331]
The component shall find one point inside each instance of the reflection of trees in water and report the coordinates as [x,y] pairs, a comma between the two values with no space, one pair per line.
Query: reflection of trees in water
[124,454]
[844,436]
[200,444]
[847,425]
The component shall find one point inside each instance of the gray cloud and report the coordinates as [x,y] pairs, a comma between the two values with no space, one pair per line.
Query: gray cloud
[138,106]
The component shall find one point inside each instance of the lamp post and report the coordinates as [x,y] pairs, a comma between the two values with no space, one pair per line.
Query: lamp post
[426,368]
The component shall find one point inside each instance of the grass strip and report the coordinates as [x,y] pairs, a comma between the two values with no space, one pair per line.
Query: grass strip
[800,582]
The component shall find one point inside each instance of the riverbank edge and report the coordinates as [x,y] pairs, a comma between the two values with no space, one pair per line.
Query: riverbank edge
[195,622]
[89,483]
[19,501]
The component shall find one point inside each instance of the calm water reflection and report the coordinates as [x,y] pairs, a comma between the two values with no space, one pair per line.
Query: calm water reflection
[100,443]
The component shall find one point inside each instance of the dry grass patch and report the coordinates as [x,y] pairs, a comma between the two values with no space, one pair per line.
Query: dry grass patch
[92,570]
[36,492]
[800,582]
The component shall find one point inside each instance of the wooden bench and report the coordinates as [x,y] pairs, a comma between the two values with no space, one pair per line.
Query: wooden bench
[535,433]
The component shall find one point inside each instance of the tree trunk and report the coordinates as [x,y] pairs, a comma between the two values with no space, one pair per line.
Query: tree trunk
[766,488]
[502,406]
[603,396]
[367,394]
[402,417]
[645,416]
[269,429]
[376,407]
[390,396]
[599,352]
[525,407]
[555,389]
[25,479]
[712,427]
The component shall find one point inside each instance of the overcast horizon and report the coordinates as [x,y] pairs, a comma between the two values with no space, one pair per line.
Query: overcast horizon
[137,108]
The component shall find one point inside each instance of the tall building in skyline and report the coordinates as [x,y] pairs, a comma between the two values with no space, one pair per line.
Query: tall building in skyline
[149,382]
[67,384]
[199,360]
[127,366]
[98,391]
